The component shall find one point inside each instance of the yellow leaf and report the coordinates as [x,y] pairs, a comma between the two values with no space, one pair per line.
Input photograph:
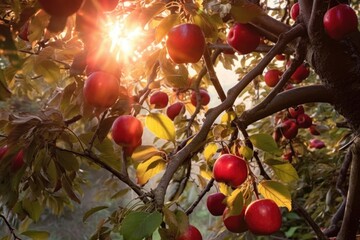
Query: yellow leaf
[276,191]
[149,168]
[210,151]
[144,152]
[246,152]
[284,171]
[161,126]
[228,117]
[223,188]
[235,202]
[206,174]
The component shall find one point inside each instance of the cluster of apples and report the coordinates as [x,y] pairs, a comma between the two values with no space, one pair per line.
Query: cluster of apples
[16,162]
[261,217]
[339,21]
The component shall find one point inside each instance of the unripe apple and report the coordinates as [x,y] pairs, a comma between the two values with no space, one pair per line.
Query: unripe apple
[108,5]
[340,21]
[101,89]
[185,43]
[230,169]
[127,130]
[3,151]
[204,97]
[272,77]
[313,130]
[159,99]
[235,223]
[60,8]
[301,73]
[289,129]
[316,143]
[18,161]
[263,217]
[296,111]
[303,121]
[174,110]
[243,38]
[294,11]
[192,233]
[215,204]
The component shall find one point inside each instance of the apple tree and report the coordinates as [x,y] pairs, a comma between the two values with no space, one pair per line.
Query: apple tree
[127,87]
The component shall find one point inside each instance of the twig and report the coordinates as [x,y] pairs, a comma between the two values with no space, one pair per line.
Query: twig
[201,195]
[11,229]
[73,120]
[91,143]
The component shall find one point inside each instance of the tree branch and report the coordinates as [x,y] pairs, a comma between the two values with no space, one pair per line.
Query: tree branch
[201,195]
[11,229]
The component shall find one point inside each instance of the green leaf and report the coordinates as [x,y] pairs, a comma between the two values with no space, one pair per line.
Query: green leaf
[161,126]
[33,209]
[244,11]
[67,160]
[66,184]
[165,25]
[284,171]
[92,211]
[265,142]
[37,235]
[276,191]
[149,168]
[210,150]
[177,221]
[235,202]
[49,70]
[246,152]
[138,225]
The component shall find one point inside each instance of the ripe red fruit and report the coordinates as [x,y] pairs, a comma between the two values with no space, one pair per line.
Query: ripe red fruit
[215,205]
[60,8]
[316,143]
[289,129]
[185,43]
[108,5]
[280,57]
[288,156]
[235,223]
[272,77]
[313,130]
[243,38]
[263,217]
[294,11]
[101,89]
[129,150]
[204,98]
[3,151]
[339,21]
[174,110]
[301,73]
[127,130]
[159,99]
[192,233]
[303,121]
[231,170]
[296,111]
[18,161]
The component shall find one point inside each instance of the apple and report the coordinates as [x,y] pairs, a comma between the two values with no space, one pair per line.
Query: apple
[277,135]
[316,143]
[185,43]
[230,169]
[127,131]
[289,129]
[3,151]
[280,57]
[263,217]
[18,161]
[129,150]
[301,73]
[296,111]
[303,121]
[60,8]
[174,110]
[235,223]
[272,77]
[288,156]
[294,11]
[243,38]
[192,233]
[313,130]
[204,97]
[340,21]
[159,99]
[101,89]
[108,5]
[215,204]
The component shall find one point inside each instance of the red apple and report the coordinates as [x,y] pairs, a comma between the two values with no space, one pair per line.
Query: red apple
[18,161]
[316,143]
[272,77]
[313,130]
[192,233]
[288,156]
[127,130]
[243,38]
[174,110]
[303,121]
[301,73]
[263,217]
[280,57]
[230,169]
[289,129]
[108,5]
[204,98]
[60,8]
[296,111]
[339,21]
[294,11]
[101,89]
[185,43]
[235,223]
[215,204]
[159,99]
[129,150]
[3,151]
